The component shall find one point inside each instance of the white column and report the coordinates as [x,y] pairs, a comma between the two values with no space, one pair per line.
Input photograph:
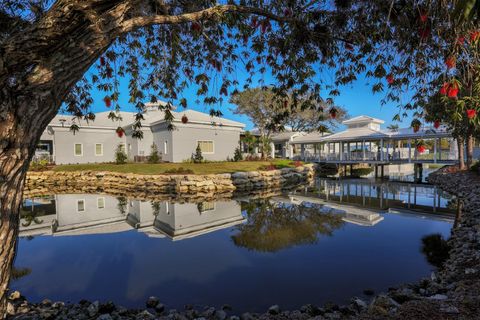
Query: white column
[435,150]
[409,150]
[381,150]
[341,150]
[363,150]
[290,150]
[272,150]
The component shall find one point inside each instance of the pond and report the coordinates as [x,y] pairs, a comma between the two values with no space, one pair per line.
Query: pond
[324,243]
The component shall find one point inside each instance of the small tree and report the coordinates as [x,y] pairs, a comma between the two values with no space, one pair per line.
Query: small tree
[237,156]
[154,156]
[198,157]
[120,155]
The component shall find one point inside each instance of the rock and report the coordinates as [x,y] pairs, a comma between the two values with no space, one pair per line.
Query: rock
[105,317]
[359,304]
[227,307]
[93,308]
[46,302]
[14,295]
[449,309]
[234,318]
[144,315]
[438,297]
[247,316]
[107,307]
[159,308]
[152,302]
[311,310]
[220,315]
[188,307]
[275,309]
[58,305]
[10,308]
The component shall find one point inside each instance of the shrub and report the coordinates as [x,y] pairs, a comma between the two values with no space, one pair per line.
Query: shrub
[252,157]
[180,170]
[39,165]
[237,156]
[120,155]
[154,156]
[296,163]
[198,157]
[475,167]
[360,172]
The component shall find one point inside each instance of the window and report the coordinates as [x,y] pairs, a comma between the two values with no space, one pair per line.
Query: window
[206,146]
[101,203]
[99,149]
[80,205]
[206,206]
[78,149]
[165,147]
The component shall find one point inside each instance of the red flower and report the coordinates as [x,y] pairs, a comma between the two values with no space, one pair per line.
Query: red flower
[423,17]
[421,149]
[450,62]
[471,113]
[108,102]
[436,124]
[444,89]
[333,113]
[120,132]
[184,119]
[390,79]
[474,35]
[452,92]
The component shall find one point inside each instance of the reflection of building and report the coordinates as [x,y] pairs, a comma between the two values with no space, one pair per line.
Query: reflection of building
[358,216]
[80,214]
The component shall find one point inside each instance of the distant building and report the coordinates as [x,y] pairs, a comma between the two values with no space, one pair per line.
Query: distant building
[97,140]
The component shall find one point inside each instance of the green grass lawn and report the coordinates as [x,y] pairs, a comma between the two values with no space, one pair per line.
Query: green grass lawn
[159,168]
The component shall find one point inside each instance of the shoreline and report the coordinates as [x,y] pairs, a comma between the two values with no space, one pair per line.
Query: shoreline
[450,293]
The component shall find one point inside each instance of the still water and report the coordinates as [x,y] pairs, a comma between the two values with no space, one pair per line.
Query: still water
[327,242]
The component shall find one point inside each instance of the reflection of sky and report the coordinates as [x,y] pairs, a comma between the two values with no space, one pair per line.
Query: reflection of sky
[209,270]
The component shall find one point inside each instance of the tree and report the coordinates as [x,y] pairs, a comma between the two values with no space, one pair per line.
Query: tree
[270,113]
[154,156]
[198,157]
[162,47]
[120,155]
[250,141]
[237,156]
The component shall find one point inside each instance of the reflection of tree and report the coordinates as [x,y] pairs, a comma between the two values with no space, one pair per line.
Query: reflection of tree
[31,216]
[122,204]
[275,226]
[18,273]
[156,208]
[435,249]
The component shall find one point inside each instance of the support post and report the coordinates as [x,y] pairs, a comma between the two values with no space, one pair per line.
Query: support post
[363,150]
[302,152]
[382,171]
[381,150]
[435,150]
[409,150]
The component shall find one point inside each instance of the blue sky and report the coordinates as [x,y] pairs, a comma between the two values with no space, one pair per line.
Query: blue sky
[356,98]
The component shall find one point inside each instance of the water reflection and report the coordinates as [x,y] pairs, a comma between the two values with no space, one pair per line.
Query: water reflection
[326,242]
[273,225]
[82,214]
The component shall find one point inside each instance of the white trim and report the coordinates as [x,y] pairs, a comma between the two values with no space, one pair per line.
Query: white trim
[84,205]
[101,153]
[75,149]
[165,147]
[213,146]
[103,198]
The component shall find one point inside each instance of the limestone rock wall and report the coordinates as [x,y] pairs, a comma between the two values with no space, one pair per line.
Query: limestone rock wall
[92,181]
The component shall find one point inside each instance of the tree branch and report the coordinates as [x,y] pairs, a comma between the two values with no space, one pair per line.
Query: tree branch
[205,14]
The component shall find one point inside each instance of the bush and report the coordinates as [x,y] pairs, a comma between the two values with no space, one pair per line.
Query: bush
[296,163]
[179,171]
[475,167]
[154,156]
[237,156]
[198,157]
[360,172]
[120,155]
[39,165]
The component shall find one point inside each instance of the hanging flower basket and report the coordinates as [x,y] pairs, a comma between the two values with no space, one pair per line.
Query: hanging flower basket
[421,146]
[120,132]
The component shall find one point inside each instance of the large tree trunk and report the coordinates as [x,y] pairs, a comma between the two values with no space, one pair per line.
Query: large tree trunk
[470,141]
[461,153]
